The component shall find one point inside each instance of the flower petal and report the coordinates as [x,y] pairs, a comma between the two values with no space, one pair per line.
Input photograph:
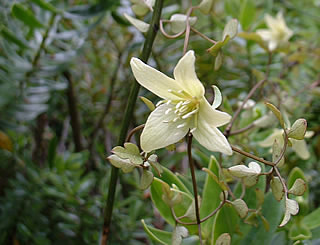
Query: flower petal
[158,132]
[277,134]
[301,148]
[140,25]
[186,76]
[213,117]
[265,34]
[178,22]
[153,80]
[211,137]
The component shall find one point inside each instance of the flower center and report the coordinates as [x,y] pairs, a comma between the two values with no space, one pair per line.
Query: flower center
[184,109]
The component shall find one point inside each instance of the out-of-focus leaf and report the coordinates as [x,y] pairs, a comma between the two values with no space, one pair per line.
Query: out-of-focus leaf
[26,16]
[178,233]
[298,129]
[224,239]
[162,237]
[312,220]
[299,232]
[297,173]
[210,196]
[277,188]
[276,112]
[241,207]
[11,37]
[298,188]
[46,5]
[226,221]
[146,179]
[5,142]
[247,13]
[218,61]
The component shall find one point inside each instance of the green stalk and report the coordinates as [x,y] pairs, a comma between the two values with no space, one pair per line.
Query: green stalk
[147,48]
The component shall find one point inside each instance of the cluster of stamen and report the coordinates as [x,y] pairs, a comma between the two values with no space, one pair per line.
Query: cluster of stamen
[184,108]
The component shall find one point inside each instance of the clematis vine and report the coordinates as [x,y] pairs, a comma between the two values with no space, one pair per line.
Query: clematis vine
[278,32]
[183,108]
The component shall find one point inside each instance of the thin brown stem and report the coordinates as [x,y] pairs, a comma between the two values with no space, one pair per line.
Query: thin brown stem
[247,154]
[285,188]
[250,94]
[168,35]
[194,184]
[187,36]
[241,130]
[133,131]
[202,35]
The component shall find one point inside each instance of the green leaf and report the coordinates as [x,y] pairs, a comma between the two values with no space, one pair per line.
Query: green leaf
[47,6]
[210,196]
[26,16]
[298,188]
[129,151]
[157,193]
[277,188]
[291,208]
[178,233]
[312,220]
[146,179]
[11,37]
[241,207]
[214,50]
[218,61]
[205,6]
[5,142]
[224,239]
[276,151]
[162,237]
[299,231]
[276,112]
[272,212]
[225,221]
[295,174]
[298,129]
[230,30]
[125,164]
[247,13]
[170,178]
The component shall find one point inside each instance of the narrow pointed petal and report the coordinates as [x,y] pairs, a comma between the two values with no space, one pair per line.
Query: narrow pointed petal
[153,80]
[213,117]
[211,137]
[271,22]
[140,25]
[265,34]
[186,76]
[158,132]
[267,142]
[301,148]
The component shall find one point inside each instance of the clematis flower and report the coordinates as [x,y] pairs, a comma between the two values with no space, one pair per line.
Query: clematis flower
[278,32]
[183,108]
[299,146]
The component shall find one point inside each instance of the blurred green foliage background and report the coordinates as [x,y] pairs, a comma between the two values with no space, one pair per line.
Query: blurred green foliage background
[64,83]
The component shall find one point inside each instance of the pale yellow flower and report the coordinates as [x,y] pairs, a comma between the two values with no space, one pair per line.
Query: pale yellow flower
[278,33]
[183,108]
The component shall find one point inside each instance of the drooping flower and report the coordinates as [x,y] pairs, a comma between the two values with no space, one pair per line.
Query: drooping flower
[299,146]
[139,24]
[278,33]
[183,108]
